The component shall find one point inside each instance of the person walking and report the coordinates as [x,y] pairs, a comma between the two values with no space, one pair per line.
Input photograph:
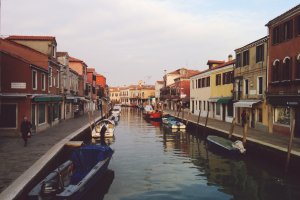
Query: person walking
[25,129]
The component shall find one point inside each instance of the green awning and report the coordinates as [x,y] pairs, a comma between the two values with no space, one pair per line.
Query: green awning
[225,100]
[47,98]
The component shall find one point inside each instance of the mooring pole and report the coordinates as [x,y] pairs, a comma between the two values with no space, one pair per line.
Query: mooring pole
[206,134]
[231,128]
[89,115]
[289,148]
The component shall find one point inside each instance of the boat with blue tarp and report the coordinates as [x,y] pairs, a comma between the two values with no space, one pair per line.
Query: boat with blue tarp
[73,178]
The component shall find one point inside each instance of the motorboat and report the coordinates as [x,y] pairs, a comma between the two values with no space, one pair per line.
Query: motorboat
[226,145]
[110,126]
[73,178]
[173,123]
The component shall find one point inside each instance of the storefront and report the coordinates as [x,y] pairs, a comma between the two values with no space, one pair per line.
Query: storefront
[283,108]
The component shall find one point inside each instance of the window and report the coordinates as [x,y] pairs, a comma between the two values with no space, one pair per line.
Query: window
[275,71]
[298,68]
[246,87]
[8,116]
[228,77]
[276,38]
[203,82]
[260,53]
[246,58]
[259,115]
[42,113]
[238,60]
[204,106]
[218,109]
[288,30]
[57,71]
[34,79]
[43,82]
[192,84]
[208,81]
[199,83]
[199,105]
[56,111]
[282,115]
[218,79]
[297,25]
[53,51]
[259,85]
[286,71]
[50,76]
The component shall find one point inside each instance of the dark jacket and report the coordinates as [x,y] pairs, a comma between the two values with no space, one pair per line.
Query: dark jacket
[25,127]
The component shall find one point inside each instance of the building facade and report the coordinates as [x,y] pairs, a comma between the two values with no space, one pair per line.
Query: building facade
[284,72]
[250,74]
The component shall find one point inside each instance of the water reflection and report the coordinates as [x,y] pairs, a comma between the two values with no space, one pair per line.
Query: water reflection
[153,162]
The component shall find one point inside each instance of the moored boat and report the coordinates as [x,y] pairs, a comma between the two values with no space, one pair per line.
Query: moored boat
[172,123]
[226,145]
[73,178]
[110,126]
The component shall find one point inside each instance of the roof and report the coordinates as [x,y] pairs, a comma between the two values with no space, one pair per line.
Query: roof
[72,59]
[31,37]
[189,73]
[215,62]
[23,52]
[160,82]
[281,17]
[90,69]
[225,64]
[255,43]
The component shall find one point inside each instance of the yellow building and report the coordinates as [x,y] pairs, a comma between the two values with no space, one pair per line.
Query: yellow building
[114,94]
[220,103]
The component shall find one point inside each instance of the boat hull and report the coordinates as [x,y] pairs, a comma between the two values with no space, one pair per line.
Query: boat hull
[222,145]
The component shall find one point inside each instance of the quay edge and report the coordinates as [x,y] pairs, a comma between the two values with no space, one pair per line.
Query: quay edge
[268,151]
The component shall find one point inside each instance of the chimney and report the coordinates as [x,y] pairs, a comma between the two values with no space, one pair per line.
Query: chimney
[229,57]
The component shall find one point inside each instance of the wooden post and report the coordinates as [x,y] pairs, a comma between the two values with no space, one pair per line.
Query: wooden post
[89,114]
[198,121]
[289,148]
[231,128]
[245,130]
[206,124]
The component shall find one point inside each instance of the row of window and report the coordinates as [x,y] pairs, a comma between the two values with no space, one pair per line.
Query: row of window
[242,59]
[198,106]
[286,31]
[202,82]
[228,77]
[286,70]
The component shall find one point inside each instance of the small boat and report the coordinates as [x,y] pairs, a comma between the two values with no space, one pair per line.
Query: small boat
[172,123]
[149,113]
[110,125]
[221,143]
[73,178]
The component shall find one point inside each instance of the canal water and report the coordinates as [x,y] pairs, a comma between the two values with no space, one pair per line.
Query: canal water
[151,162]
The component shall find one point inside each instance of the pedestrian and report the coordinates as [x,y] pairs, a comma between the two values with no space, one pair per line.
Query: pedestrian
[244,118]
[25,129]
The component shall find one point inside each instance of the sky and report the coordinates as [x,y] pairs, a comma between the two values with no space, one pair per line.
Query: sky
[132,40]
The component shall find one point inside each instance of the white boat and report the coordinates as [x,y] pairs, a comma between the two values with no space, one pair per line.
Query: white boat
[173,124]
[110,126]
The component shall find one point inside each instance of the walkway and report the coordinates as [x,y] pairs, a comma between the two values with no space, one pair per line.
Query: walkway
[272,140]
[16,159]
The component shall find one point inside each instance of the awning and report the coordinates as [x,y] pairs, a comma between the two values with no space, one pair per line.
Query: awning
[214,100]
[19,95]
[246,103]
[47,98]
[225,100]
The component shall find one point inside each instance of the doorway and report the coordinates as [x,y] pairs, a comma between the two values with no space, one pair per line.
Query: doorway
[223,112]
[297,122]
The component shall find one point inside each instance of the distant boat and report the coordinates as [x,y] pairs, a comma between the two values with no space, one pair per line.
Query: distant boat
[73,178]
[172,123]
[226,145]
[110,125]
[149,113]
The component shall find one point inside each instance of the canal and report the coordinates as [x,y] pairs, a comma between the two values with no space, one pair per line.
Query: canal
[151,162]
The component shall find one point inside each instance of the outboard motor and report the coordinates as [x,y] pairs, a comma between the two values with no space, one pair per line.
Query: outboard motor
[239,145]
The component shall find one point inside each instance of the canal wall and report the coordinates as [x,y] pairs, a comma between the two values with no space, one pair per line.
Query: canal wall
[19,189]
[256,149]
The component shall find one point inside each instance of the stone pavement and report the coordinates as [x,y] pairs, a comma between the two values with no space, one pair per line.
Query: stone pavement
[15,159]
[279,142]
